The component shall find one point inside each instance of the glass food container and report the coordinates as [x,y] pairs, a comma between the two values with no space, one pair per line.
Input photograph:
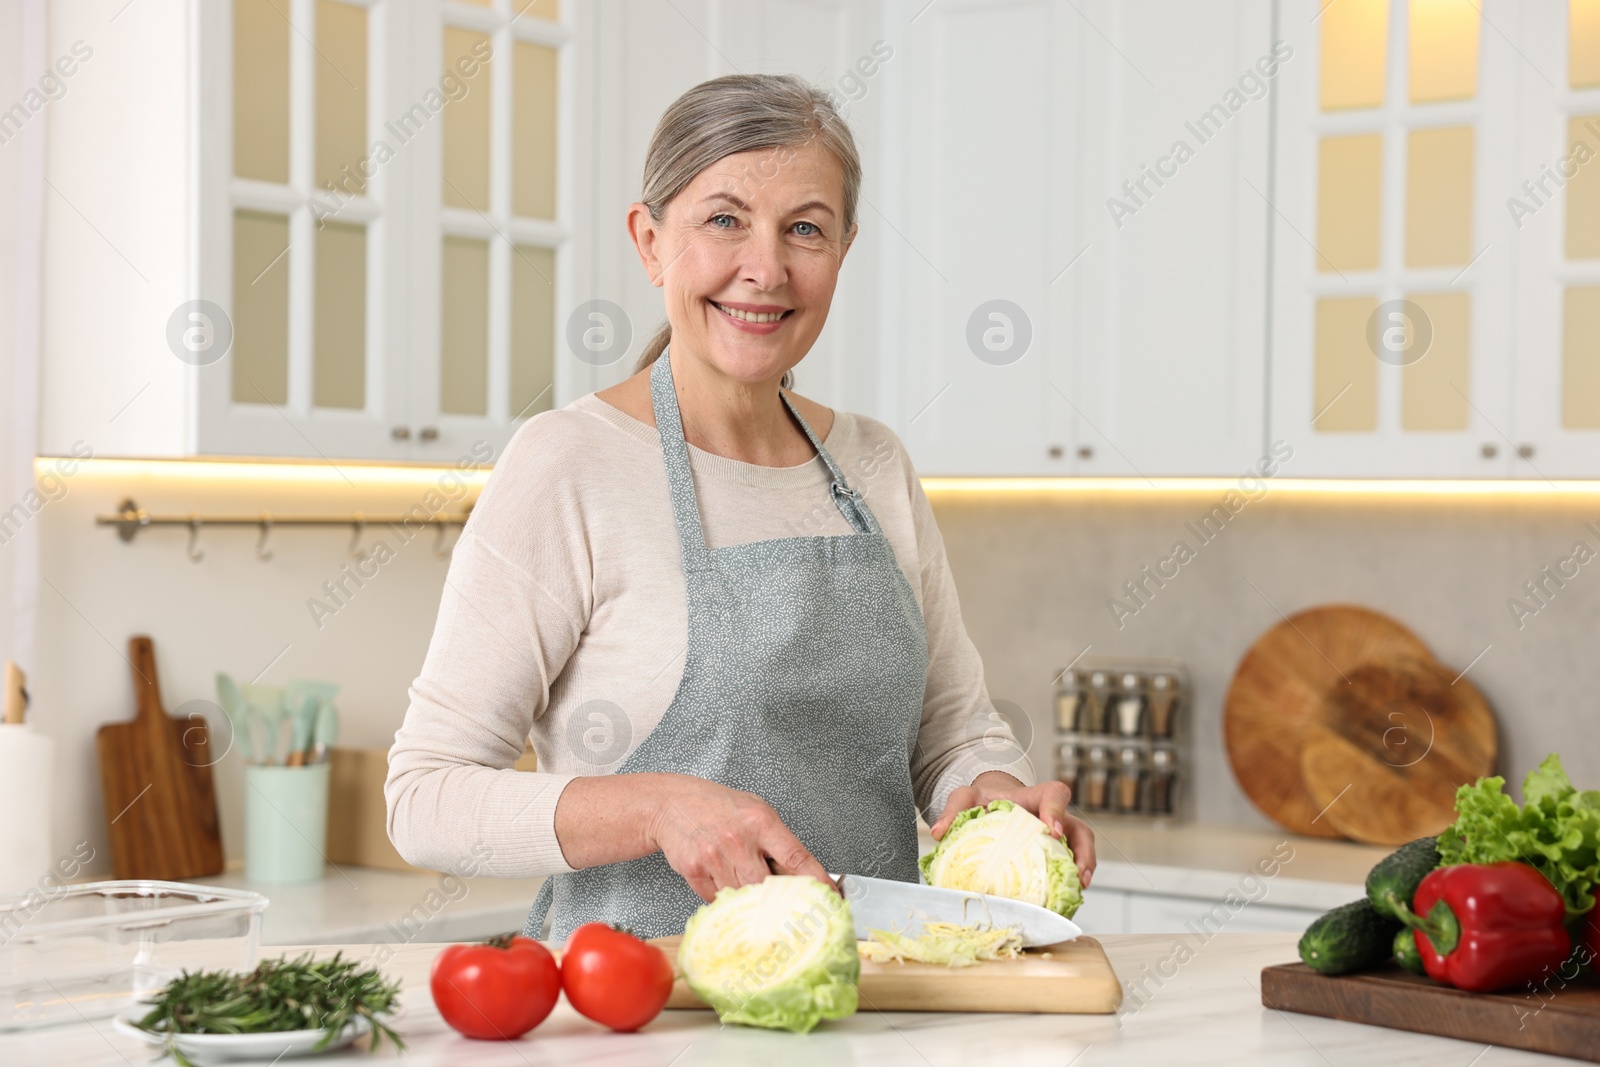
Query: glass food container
[76,952]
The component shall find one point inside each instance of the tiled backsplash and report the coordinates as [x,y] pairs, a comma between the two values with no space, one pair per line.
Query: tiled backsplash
[1040,574]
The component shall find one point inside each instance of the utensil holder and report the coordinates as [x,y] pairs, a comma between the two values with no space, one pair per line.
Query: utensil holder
[285,823]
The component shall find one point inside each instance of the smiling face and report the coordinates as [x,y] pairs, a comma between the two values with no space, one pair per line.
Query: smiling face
[748,255]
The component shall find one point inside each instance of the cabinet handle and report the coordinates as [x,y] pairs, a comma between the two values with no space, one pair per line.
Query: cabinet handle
[429,433]
[400,433]
[1490,450]
[1056,451]
[1085,451]
[1525,451]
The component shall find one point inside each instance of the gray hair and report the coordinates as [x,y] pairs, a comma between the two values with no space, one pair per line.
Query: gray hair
[741,113]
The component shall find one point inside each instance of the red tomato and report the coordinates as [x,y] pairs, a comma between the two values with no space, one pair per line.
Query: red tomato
[614,978]
[498,989]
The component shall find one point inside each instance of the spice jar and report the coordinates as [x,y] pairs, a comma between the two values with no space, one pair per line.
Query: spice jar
[1067,767]
[1130,706]
[1097,704]
[1163,775]
[1097,779]
[1163,705]
[1069,701]
[1129,776]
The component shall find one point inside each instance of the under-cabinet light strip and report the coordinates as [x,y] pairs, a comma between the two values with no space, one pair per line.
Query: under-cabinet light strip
[311,473]
[345,473]
[1254,487]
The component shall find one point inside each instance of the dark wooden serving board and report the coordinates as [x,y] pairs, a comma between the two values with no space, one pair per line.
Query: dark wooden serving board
[1563,1020]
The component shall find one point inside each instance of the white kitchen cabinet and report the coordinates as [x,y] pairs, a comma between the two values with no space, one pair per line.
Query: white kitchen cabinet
[631,60]
[978,224]
[1396,146]
[284,162]
[1154,913]
[1556,204]
[1170,171]
[1018,127]
[1104,911]
[1119,911]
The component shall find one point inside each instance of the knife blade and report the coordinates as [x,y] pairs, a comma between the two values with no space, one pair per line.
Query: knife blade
[883,904]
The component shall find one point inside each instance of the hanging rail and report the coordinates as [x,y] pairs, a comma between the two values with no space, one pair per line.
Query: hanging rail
[131,518]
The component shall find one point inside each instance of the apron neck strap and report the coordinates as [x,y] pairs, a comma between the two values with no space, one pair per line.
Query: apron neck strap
[846,499]
[680,479]
[675,454]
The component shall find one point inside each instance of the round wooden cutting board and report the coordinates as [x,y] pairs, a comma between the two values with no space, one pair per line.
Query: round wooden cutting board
[1278,694]
[1392,746]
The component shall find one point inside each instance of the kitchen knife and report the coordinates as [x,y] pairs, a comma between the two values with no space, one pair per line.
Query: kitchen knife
[882,904]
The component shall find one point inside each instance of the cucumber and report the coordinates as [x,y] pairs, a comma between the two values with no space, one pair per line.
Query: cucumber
[1392,884]
[1348,938]
[1405,952]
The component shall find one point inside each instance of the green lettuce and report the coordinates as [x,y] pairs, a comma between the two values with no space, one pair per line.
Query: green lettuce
[1006,851]
[779,954]
[1556,831]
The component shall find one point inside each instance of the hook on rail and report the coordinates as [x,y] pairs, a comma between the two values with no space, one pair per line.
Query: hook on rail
[262,551]
[196,553]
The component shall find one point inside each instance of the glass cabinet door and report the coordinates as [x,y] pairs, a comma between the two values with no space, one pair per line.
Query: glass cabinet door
[1393,256]
[299,250]
[489,228]
[1557,205]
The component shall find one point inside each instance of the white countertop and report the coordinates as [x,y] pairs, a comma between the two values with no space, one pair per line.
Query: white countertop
[1207,862]
[1209,1012]
[368,905]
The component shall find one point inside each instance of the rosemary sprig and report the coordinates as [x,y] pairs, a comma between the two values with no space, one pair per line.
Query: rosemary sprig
[279,995]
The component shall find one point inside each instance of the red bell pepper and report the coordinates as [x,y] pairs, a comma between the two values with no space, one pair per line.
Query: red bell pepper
[1589,938]
[1485,927]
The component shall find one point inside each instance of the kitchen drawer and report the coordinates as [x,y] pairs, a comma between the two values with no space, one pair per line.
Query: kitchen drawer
[1149,913]
[1104,911]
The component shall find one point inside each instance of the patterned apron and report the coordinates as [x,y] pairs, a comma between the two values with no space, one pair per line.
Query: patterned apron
[802,683]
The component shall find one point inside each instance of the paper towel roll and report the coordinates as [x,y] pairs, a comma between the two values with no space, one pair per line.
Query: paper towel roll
[27,765]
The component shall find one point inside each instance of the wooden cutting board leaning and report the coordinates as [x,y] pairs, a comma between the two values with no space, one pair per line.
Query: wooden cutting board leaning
[1339,722]
[1072,978]
[155,780]
[1562,1020]
[1391,746]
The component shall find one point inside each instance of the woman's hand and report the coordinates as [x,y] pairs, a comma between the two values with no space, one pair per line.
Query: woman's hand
[716,836]
[1048,800]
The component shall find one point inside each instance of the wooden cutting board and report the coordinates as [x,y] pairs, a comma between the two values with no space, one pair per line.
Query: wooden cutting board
[155,779]
[1072,978]
[1393,743]
[1562,1021]
[1277,695]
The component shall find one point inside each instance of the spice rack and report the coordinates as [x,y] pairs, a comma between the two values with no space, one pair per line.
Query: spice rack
[1119,733]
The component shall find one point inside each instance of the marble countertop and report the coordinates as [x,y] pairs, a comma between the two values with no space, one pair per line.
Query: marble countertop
[1207,862]
[363,904]
[1208,1012]
[368,905]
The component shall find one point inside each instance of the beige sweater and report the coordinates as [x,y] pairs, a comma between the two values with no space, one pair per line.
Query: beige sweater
[563,620]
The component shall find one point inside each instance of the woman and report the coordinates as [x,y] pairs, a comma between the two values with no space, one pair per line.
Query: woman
[728,662]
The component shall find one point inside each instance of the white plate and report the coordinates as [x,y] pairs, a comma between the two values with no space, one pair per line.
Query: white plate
[220,1048]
